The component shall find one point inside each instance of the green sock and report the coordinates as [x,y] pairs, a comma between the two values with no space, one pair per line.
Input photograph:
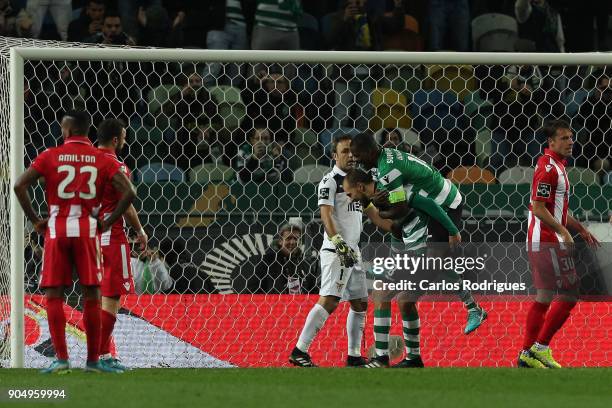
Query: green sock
[382,326]
[412,327]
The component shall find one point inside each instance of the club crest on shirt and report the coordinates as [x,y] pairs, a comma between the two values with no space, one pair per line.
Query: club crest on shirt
[549,167]
[543,190]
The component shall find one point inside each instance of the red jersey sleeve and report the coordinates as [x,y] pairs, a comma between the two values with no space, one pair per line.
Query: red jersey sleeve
[42,163]
[544,182]
[110,168]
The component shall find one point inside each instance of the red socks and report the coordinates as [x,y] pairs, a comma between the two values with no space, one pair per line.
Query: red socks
[535,320]
[556,317]
[107,323]
[91,321]
[57,326]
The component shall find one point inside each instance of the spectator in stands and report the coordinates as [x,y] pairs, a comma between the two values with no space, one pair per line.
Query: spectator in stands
[150,272]
[449,25]
[230,31]
[8,17]
[270,99]
[276,25]
[158,30]
[89,23]
[129,10]
[594,127]
[24,24]
[354,29]
[114,85]
[200,17]
[541,23]
[185,108]
[282,269]
[392,138]
[262,159]
[112,32]
[516,120]
[61,11]
[198,146]
[185,274]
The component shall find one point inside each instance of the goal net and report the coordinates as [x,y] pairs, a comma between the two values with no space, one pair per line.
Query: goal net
[226,153]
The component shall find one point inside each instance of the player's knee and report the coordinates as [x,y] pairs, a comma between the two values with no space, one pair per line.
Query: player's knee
[544,296]
[359,305]
[91,292]
[329,303]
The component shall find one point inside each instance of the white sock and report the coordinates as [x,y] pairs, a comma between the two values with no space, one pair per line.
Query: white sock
[315,320]
[540,347]
[355,322]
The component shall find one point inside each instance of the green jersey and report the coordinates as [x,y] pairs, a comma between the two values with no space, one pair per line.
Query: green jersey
[397,171]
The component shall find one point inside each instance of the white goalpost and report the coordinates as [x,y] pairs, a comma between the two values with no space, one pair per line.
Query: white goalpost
[218,217]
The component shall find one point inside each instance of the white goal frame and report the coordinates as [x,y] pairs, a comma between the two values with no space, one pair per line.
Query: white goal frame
[19,55]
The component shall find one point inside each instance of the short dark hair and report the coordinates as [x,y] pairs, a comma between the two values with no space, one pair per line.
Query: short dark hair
[103,2]
[108,129]
[338,139]
[111,14]
[551,127]
[354,176]
[364,142]
[80,121]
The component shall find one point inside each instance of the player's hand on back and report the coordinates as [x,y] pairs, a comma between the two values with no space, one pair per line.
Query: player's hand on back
[41,226]
[381,199]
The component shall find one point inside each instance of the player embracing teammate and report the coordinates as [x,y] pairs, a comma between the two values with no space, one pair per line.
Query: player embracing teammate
[77,176]
[549,246]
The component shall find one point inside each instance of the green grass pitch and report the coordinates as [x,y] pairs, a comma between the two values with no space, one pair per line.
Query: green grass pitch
[339,387]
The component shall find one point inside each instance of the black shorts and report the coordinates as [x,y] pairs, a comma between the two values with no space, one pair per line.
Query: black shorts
[437,231]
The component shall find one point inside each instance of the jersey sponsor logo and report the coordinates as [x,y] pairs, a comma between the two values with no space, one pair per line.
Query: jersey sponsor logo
[324,193]
[385,179]
[354,206]
[543,190]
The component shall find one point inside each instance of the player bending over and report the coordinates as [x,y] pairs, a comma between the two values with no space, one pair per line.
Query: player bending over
[549,248]
[341,276]
[117,279]
[76,176]
[359,186]
[398,172]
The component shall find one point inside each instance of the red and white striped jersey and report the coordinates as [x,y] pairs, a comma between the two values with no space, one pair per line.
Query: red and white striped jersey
[116,234]
[550,185]
[76,174]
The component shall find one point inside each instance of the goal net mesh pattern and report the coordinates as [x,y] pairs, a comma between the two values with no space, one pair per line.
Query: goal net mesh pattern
[224,154]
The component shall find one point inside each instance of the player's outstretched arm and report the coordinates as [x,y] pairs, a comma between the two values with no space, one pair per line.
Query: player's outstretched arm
[23,183]
[124,186]
[131,216]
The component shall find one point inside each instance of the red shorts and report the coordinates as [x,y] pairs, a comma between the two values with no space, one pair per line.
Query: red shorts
[117,279]
[553,268]
[63,255]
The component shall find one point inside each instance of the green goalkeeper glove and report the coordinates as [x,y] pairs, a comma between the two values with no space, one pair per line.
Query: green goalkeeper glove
[348,257]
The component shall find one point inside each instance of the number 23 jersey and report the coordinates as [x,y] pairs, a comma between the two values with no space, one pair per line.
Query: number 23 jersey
[76,174]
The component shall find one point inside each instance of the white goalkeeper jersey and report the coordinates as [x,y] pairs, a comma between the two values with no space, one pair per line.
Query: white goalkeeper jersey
[347,215]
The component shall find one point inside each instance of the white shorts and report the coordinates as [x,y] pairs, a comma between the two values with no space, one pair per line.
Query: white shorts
[345,283]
